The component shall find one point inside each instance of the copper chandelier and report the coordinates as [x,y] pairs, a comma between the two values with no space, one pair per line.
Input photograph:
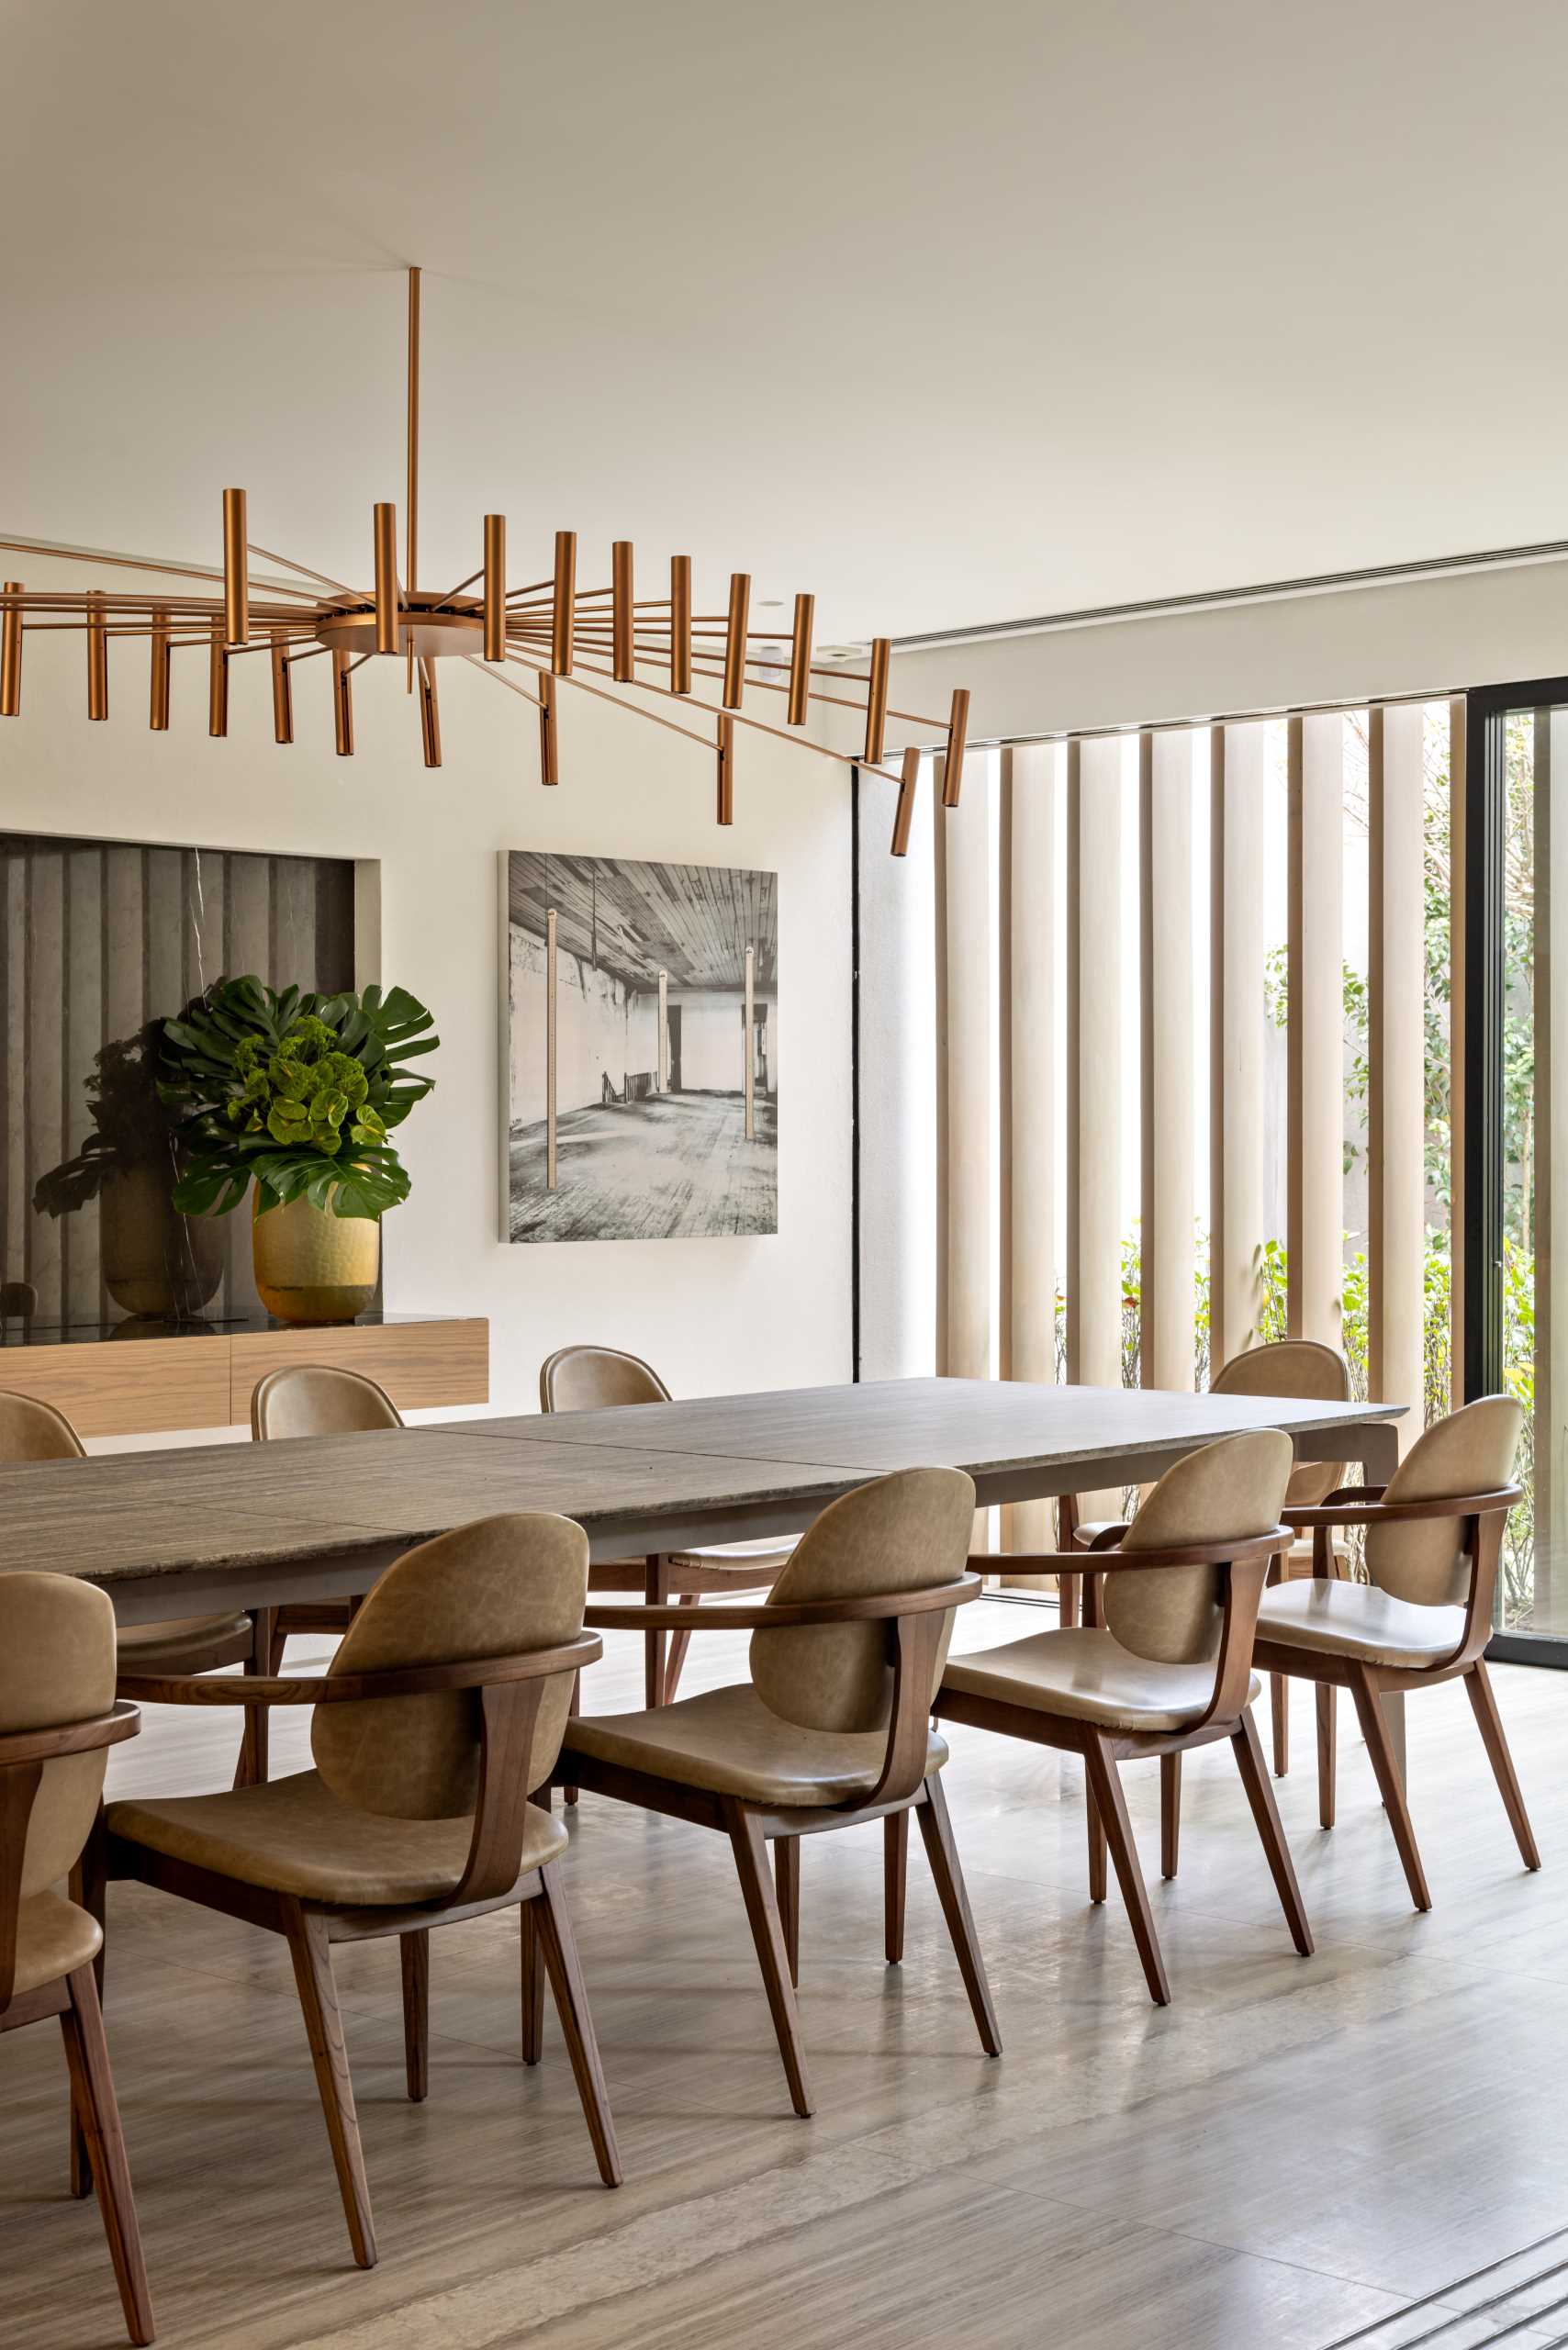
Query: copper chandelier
[552,630]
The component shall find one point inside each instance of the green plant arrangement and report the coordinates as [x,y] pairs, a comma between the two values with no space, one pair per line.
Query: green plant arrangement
[293,1093]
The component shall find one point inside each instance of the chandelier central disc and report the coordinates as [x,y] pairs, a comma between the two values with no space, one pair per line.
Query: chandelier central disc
[457,626]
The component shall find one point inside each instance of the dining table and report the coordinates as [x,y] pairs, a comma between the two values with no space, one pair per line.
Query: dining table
[179,1531]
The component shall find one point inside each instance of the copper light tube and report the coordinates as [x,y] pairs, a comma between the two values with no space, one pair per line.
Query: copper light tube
[342,704]
[385,535]
[957,728]
[801,660]
[236,573]
[98,660]
[561,612]
[495,587]
[430,713]
[734,639]
[547,768]
[411,566]
[681,623]
[620,612]
[11,654]
[216,684]
[283,693]
[903,814]
[157,709]
[877,698]
[726,780]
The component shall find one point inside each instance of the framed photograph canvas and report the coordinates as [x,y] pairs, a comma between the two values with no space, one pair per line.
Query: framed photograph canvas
[641,1030]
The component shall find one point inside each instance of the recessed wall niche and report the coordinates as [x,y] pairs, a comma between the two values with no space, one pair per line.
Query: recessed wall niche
[100,940]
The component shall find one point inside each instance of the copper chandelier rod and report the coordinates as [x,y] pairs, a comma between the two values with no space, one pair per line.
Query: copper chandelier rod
[304,568]
[644,655]
[144,562]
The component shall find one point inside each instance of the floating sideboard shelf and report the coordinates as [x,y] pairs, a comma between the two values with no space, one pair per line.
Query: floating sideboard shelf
[131,1379]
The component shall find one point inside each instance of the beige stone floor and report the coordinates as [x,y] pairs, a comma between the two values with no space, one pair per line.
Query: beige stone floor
[1290,2155]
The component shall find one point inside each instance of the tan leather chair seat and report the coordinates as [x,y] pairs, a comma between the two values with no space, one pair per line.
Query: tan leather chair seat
[53,1938]
[296,1836]
[1090,1675]
[730,1743]
[1356,1619]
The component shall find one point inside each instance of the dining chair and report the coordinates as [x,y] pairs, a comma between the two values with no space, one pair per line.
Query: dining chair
[440,1711]
[32,1430]
[1164,1665]
[1292,1366]
[1278,1367]
[58,1715]
[586,1379]
[1434,1534]
[831,1730]
[316,1399]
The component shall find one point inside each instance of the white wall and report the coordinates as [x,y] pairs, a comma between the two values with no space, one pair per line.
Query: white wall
[714,1315]
[712,1038]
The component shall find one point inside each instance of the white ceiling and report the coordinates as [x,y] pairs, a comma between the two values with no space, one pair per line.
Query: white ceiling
[950,312]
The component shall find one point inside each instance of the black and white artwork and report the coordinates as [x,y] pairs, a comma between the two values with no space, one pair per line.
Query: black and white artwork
[642,1049]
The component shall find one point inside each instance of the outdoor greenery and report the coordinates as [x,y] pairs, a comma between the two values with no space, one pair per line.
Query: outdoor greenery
[295,1092]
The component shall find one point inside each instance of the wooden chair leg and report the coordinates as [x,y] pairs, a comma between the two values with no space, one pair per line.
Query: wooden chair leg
[312,1953]
[1170,1813]
[92,2100]
[1069,1598]
[747,1844]
[656,1593]
[895,1874]
[265,1657]
[1328,1757]
[558,1947]
[569,1794]
[936,1834]
[1279,1712]
[1484,1705]
[532,1972]
[414,1955]
[787,1881]
[88,1888]
[1247,1748]
[1105,1785]
[1380,1746]
[678,1644]
[1097,1877]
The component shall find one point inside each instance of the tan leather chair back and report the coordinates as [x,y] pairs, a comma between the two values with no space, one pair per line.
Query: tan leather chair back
[1293,1367]
[56,1666]
[1228,1492]
[580,1379]
[904,1533]
[499,1587]
[1470,1452]
[315,1399]
[33,1431]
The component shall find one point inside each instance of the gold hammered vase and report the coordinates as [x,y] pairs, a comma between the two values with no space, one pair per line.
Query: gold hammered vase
[313,1266]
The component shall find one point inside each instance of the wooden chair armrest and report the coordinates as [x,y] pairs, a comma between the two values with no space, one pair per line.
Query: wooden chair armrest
[785,1615]
[1099,1563]
[1355,1509]
[18,1746]
[342,1688]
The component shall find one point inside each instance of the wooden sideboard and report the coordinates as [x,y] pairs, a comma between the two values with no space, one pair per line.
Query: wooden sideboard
[118,1382]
